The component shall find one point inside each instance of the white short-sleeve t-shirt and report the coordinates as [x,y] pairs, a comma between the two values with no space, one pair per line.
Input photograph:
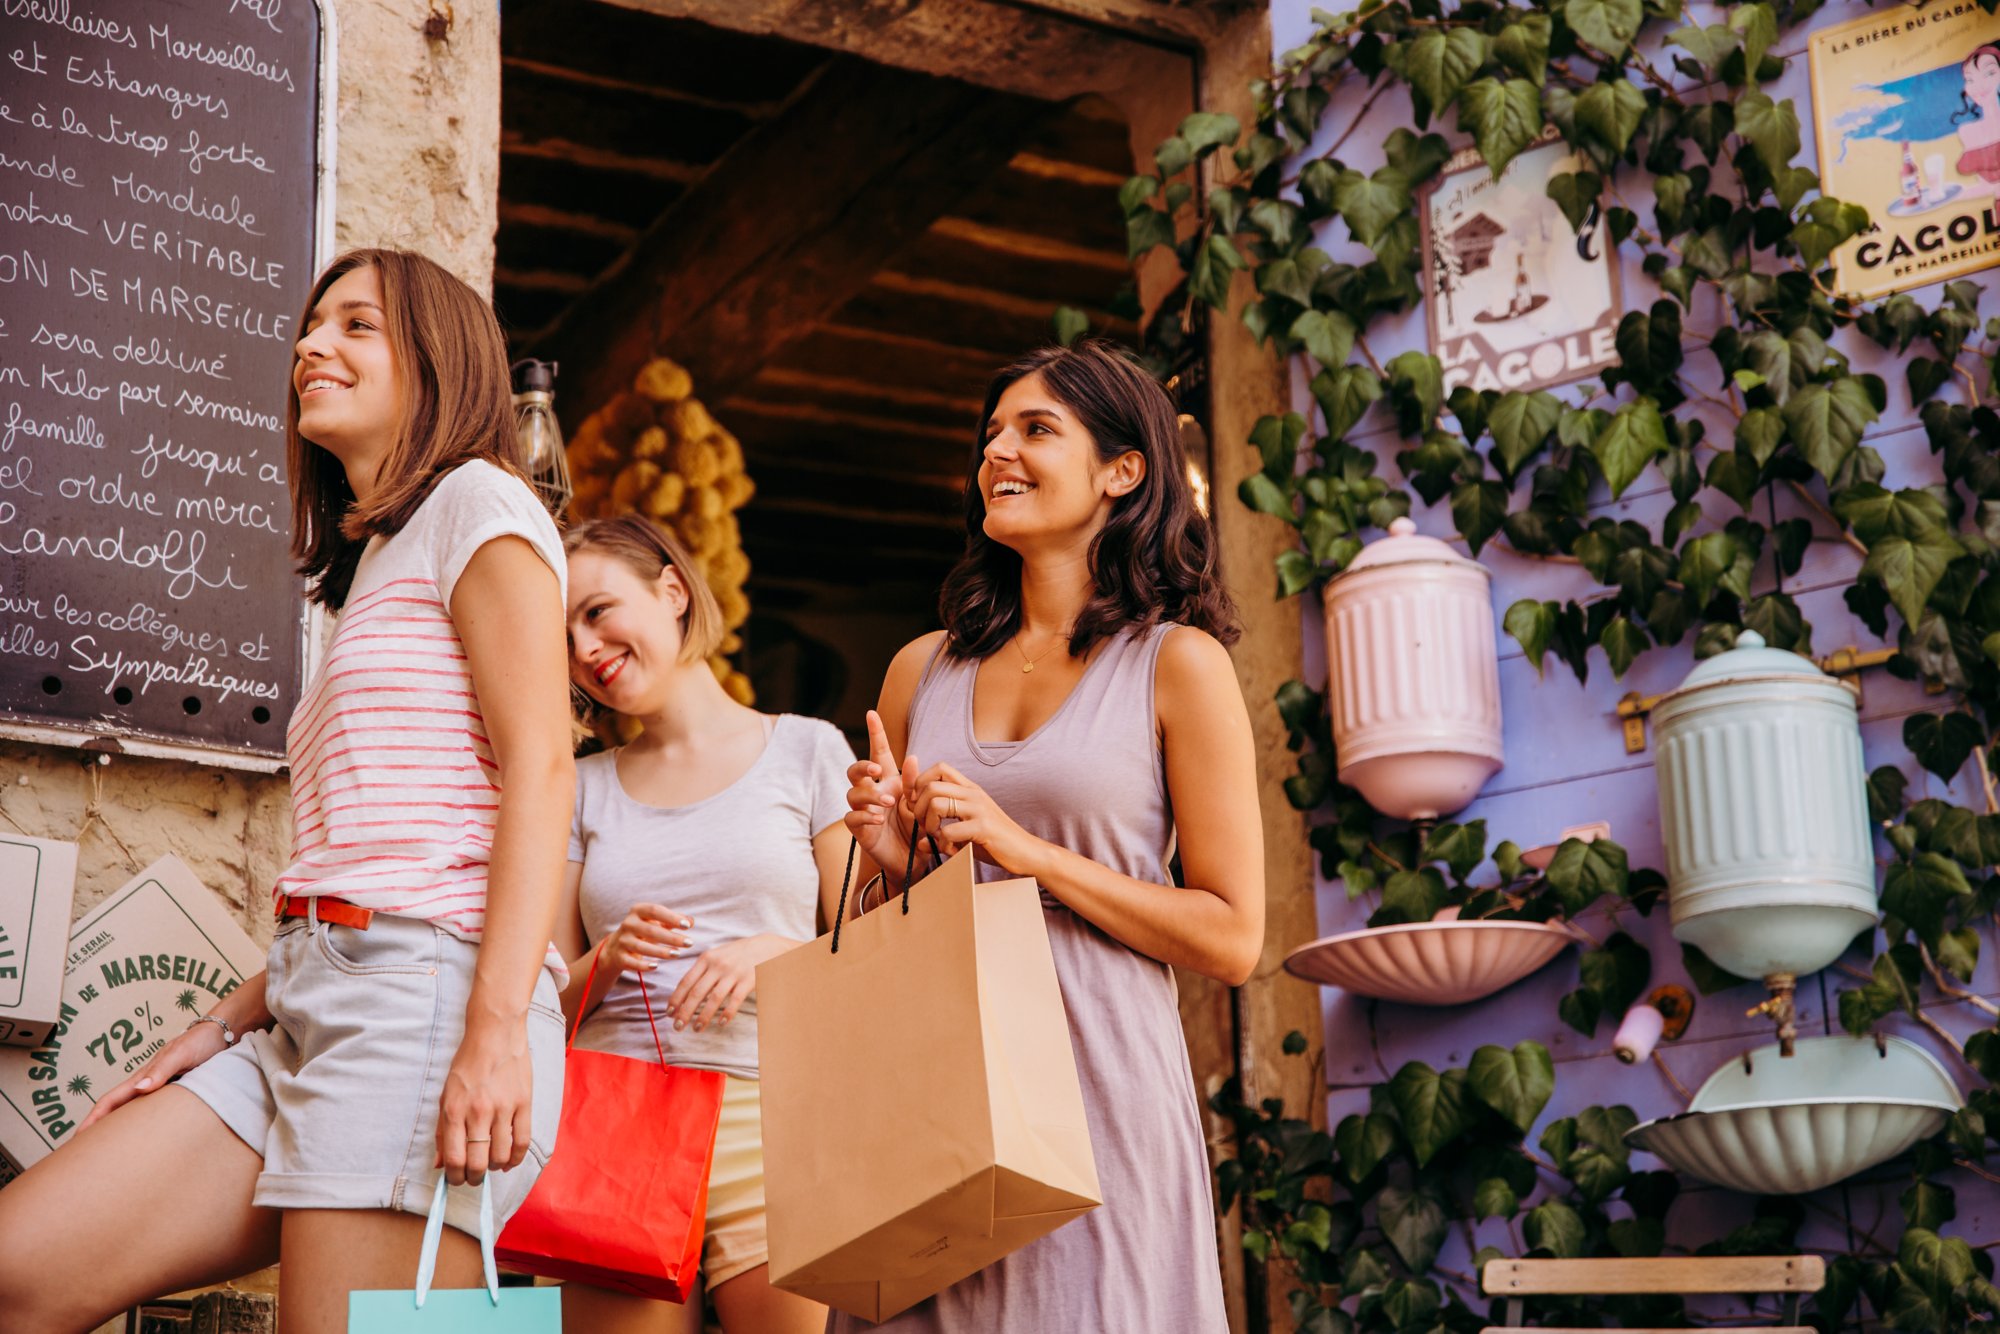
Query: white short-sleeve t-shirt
[395,790]
[740,863]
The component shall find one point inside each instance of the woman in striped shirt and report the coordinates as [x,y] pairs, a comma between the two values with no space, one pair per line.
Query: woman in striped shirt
[408,1021]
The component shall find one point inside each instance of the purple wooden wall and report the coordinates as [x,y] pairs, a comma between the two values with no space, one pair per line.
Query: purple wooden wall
[1566,765]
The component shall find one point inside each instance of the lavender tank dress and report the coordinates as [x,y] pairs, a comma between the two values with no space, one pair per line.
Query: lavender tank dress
[1092,779]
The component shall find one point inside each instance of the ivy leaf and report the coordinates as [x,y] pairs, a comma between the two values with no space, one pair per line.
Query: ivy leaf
[1494,1198]
[1616,974]
[1411,896]
[1706,562]
[1636,1238]
[1710,45]
[1371,203]
[1758,28]
[1070,324]
[1296,573]
[1575,193]
[1760,433]
[1875,513]
[1363,1142]
[1886,786]
[1416,387]
[1625,446]
[1910,568]
[1146,227]
[1206,131]
[1958,952]
[1460,846]
[1344,397]
[1478,509]
[1925,374]
[1414,1223]
[1623,643]
[1432,1108]
[1581,873]
[1521,424]
[1555,1227]
[1929,1204]
[1502,118]
[1941,742]
[1607,25]
[1517,1084]
[1532,624]
[1523,46]
[1214,263]
[1265,496]
[1438,63]
[1611,112]
[1827,421]
[1735,476]
[1649,344]
[1772,128]
[1327,335]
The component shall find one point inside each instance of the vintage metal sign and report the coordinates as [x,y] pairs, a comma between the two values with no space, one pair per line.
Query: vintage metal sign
[1515,297]
[1906,106]
[37,887]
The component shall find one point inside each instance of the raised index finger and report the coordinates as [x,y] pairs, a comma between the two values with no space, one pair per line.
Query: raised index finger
[878,743]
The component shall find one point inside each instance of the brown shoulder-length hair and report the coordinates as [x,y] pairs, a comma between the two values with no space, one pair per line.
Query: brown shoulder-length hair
[1155,558]
[457,406]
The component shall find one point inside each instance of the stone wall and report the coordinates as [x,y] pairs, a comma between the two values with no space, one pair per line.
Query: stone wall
[417,165]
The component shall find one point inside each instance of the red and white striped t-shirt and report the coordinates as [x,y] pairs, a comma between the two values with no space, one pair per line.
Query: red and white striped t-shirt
[395,791]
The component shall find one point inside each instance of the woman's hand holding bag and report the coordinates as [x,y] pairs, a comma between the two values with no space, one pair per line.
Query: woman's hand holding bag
[468,1310]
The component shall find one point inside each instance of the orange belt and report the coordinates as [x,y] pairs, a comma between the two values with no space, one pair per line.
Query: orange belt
[338,912]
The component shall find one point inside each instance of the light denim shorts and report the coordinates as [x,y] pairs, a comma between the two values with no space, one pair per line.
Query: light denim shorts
[341,1096]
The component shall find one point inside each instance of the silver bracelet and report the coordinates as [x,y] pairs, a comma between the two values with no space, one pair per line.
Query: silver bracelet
[228,1033]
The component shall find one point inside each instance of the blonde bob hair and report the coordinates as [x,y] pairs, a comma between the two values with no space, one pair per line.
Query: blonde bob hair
[648,549]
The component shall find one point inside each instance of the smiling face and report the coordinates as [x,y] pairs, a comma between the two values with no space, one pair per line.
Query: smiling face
[1982,76]
[344,370]
[1040,475]
[624,630]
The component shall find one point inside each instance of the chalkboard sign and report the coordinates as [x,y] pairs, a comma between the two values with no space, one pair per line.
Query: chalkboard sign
[161,212]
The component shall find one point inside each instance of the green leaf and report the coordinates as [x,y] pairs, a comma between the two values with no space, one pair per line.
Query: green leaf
[1826,420]
[1414,1222]
[1174,155]
[1502,118]
[1606,25]
[1432,1108]
[1575,193]
[1772,128]
[1327,335]
[1214,263]
[1521,424]
[1760,433]
[1416,387]
[1710,45]
[1296,573]
[1478,509]
[1611,112]
[1929,1204]
[1875,513]
[1910,569]
[1705,563]
[1625,446]
[1371,203]
[1617,974]
[1070,324]
[1757,26]
[1494,1198]
[1517,1084]
[1636,1238]
[1344,396]
[1413,896]
[1265,496]
[1958,952]
[1460,846]
[1363,1142]
[1145,228]
[1942,742]
[1209,130]
[1523,47]
[1136,191]
[1533,625]
[1581,873]
[1555,1227]
[1438,63]
[1623,643]
[1886,786]
[1925,375]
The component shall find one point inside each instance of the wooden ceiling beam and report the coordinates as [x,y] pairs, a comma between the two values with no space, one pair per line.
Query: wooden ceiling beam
[625,87]
[749,259]
[513,143]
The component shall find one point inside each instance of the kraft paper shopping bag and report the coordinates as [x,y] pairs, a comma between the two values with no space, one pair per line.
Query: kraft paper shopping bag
[922,1114]
[456,1310]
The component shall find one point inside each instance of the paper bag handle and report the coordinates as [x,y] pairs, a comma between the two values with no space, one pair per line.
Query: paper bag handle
[590,980]
[847,879]
[434,1233]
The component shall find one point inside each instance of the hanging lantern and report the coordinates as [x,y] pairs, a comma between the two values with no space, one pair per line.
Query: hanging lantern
[537,435]
[1764,809]
[1414,679]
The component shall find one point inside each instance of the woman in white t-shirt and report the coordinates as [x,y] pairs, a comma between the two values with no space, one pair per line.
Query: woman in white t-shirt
[406,1024]
[711,843]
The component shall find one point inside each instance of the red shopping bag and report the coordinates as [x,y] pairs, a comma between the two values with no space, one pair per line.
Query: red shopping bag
[621,1203]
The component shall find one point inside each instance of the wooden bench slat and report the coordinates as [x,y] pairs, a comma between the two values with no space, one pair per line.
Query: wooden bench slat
[1677,1274]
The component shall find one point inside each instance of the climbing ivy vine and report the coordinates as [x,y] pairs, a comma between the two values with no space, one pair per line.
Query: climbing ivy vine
[1731,384]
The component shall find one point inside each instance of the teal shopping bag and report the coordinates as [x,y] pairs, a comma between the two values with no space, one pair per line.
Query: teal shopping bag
[456,1310]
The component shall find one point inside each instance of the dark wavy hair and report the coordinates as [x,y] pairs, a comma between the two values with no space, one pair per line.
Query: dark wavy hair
[1968,109]
[458,405]
[1155,558]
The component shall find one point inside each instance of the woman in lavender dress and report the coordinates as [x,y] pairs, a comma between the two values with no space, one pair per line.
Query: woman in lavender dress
[1078,721]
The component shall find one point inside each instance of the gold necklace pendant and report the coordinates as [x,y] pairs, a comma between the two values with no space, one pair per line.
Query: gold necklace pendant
[1028,663]
[1027,667]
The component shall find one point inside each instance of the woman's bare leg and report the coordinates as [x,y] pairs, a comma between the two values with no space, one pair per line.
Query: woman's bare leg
[588,1310]
[155,1198]
[748,1304]
[328,1253]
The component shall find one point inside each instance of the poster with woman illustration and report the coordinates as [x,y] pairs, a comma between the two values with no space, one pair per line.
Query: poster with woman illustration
[1516,298]
[1906,106]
